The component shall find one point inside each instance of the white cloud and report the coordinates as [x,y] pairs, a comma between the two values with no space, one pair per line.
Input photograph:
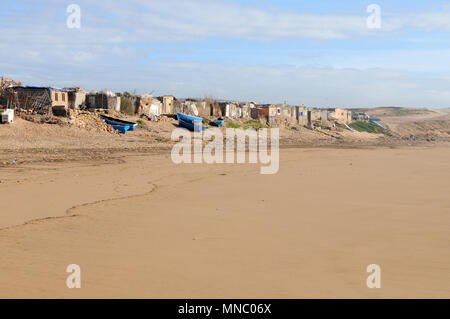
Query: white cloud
[435,21]
[314,86]
[175,20]
[143,21]
[39,49]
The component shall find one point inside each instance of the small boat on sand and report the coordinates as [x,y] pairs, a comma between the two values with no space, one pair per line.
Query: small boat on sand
[192,123]
[119,125]
[219,122]
[196,127]
[188,118]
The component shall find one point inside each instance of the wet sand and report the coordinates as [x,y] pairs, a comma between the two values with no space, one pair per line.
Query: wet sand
[142,227]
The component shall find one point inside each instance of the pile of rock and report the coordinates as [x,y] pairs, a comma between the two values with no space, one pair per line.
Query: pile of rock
[167,118]
[90,121]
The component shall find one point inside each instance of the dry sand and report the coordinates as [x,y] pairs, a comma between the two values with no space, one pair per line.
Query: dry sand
[424,124]
[140,226]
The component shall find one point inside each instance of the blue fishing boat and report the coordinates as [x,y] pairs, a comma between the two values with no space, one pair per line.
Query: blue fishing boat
[119,125]
[188,118]
[196,127]
[192,123]
[378,124]
[219,122]
[121,128]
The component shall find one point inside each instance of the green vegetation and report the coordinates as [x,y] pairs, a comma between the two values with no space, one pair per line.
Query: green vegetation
[233,125]
[254,124]
[367,127]
[141,123]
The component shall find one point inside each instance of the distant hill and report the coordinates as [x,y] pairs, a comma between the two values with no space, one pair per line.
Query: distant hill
[394,111]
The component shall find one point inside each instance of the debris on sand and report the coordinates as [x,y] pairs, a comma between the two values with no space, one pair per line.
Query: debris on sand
[86,120]
[89,121]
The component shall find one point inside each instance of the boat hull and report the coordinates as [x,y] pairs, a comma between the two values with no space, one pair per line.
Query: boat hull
[121,128]
[119,125]
[188,118]
[196,127]
[218,123]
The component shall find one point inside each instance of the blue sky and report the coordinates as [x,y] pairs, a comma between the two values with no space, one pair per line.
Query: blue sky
[317,53]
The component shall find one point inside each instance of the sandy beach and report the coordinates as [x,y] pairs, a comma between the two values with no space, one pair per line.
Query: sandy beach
[140,226]
[267,151]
